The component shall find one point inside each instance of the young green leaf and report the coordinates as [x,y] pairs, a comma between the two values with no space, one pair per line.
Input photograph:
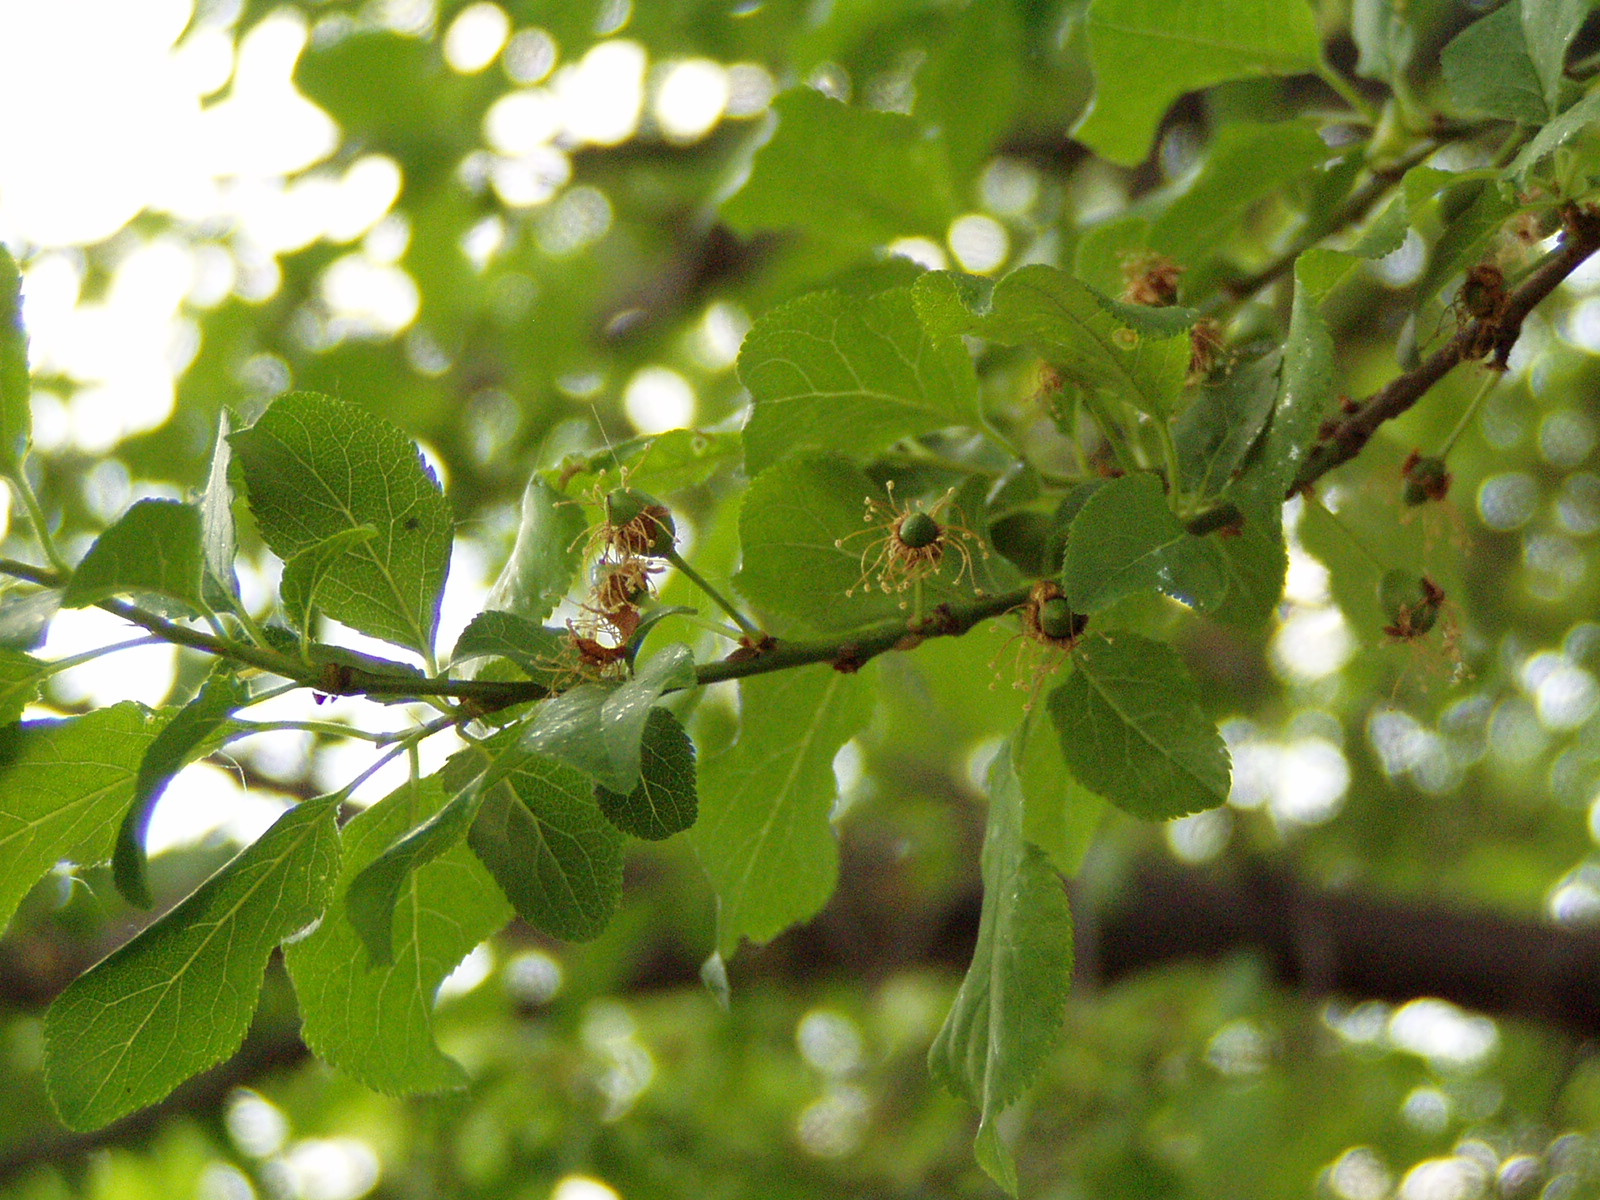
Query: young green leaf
[1131,728]
[1224,422]
[851,177]
[1256,562]
[1147,53]
[174,747]
[1089,338]
[1580,118]
[764,836]
[851,375]
[304,574]
[1548,27]
[665,800]
[373,894]
[1125,540]
[20,677]
[314,467]
[217,541]
[63,787]
[1060,815]
[152,551]
[377,1022]
[178,998]
[543,838]
[1487,69]
[1305,393]
[544,557]
[1008,1013]
[1383,36]
[16,421]
[596,728]
[533,647]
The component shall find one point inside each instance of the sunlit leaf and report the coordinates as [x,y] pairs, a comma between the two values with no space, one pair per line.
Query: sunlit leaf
[152,551]
[544,557]
[376,1021]
[178,998]
[16,421]
[1487,69]
[314,467]
[763,836]
[849,375]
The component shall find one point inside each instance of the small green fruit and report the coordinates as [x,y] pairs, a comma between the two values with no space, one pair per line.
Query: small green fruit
[918,531]
[1058,621]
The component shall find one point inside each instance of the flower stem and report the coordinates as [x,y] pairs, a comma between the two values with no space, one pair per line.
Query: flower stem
[746,626]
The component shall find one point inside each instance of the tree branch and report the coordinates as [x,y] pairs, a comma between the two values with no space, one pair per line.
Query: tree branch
[1492,335]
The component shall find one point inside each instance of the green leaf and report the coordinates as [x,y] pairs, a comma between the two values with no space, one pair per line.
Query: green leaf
[1243,165]
[178,998]
[153,550]
[1383,36]
[1548,27]
[376,1023]
[968,90]
[1305,392]
[852,178]
[533,647]
[764,837]
[597,727]
[851,375]
[1084,334]
[807,550]
[1008,1012]
[374,892]
[218,544]
[63,787]
[1223,423]
[16,419]
[20,677]
[313,467]
[304,574]
[1132,730]
[174,747]
[1147,53]
[665,800]
[1580,118]
[1060,815]
[25,617]
[1487,69]
[1125,540]
[1256,561]
[543,838]
[544,557]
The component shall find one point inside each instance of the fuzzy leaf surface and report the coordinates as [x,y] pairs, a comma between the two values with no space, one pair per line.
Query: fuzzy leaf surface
[666,798]
[1125,540]
[376,1022]
[314,467]
[1147,53]
[849,374]
[218,543]
[1092,340]
[178,998]
[764,837]
[63,787]
[543,838]
[1008,1013]
[1132,730]
[153,550]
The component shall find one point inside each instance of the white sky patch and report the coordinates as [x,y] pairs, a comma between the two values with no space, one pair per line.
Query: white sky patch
[476,37]
[477,966]
[691,97]
[144,673]
[925,252]
[602,95]
[658,399]
[325,1169]
[203,799]
[979,243]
